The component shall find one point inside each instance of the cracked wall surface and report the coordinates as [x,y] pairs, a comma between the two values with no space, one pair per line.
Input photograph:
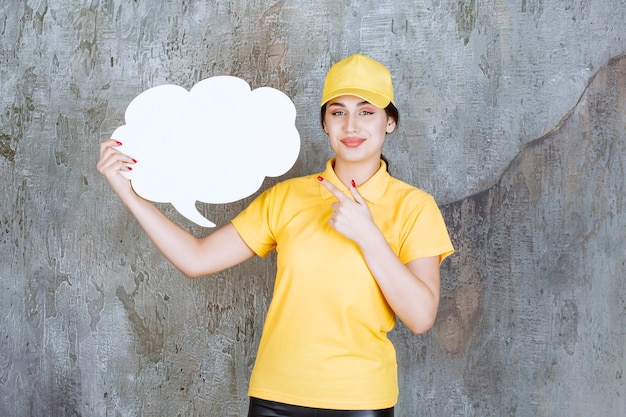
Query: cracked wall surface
[513,115]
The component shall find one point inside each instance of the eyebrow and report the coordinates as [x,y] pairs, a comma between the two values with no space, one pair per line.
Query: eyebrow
[340,104]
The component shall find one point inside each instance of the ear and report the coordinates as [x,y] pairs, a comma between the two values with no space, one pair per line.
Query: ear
[324,126]
[391,125]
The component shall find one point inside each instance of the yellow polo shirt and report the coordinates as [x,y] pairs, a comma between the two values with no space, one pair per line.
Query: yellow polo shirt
[324,341]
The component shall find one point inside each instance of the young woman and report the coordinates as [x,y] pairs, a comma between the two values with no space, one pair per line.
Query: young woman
[355,248]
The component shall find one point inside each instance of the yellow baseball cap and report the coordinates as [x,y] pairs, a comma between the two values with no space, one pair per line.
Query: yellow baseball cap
[360,76]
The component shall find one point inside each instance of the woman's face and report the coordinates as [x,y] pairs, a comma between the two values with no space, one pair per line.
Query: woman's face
[356,129]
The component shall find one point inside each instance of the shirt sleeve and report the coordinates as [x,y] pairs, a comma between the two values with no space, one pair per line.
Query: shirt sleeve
[253,224]
[425,232]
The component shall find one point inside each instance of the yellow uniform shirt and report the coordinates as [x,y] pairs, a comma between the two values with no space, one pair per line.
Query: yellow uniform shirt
[324,342]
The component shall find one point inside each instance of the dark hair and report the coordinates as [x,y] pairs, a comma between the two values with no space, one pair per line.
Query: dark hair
[390,110]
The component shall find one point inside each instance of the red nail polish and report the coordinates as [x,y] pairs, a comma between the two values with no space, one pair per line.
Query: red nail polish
[130,168]
[118,143]
[320,178]
[134,160]
[353,184]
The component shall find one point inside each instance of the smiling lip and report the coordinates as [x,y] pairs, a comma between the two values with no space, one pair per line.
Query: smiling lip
[352,142]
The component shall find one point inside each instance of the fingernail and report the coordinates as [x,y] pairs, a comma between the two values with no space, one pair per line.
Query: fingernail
[320,178]
[134,160]
[130,168]
[118,143]
[353,184]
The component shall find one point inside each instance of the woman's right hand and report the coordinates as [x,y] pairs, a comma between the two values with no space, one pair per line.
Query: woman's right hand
[112,162]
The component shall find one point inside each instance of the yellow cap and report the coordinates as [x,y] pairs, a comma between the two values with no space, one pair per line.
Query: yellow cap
[360,76]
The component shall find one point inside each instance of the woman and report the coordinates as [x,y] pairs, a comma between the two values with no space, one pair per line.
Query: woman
[355,248]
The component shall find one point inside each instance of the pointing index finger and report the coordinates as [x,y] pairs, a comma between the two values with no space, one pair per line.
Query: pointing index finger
[333,189]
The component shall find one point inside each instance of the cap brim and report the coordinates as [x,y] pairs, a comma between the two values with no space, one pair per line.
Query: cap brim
[372,97]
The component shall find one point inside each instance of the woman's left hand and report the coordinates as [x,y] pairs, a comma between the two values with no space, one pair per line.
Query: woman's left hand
[350,216]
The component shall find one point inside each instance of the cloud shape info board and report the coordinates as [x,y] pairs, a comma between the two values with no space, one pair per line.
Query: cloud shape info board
[214,143]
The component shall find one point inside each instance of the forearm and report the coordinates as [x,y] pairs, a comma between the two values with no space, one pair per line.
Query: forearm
[192,256]
[412,294]
[176,244]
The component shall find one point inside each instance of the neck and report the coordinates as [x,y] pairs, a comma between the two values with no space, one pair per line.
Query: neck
[360,171]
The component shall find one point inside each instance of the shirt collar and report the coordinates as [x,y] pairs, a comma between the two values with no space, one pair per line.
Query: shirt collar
[372,190]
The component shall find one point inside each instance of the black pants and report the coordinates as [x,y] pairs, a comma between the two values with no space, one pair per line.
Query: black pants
[265,408]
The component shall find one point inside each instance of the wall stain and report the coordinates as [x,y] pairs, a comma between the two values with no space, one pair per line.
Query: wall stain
[95,115]
[215,313]
[15,120]
[95,307]
[567,327]
[150,342]
[6,150]
[466,19]
[63,134]
[460,313]
[85,27]
[534,7]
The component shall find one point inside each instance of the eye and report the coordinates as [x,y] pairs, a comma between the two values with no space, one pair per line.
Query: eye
[338,113]
[366,110]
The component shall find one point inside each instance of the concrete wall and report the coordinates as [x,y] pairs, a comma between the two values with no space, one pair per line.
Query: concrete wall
[513,114]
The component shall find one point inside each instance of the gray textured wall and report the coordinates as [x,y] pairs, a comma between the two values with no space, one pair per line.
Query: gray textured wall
[513,116]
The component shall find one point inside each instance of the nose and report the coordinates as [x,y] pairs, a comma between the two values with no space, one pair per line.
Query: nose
[352,123]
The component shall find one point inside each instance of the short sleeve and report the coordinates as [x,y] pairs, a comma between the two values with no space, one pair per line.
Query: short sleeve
[425,232]
[253,224]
